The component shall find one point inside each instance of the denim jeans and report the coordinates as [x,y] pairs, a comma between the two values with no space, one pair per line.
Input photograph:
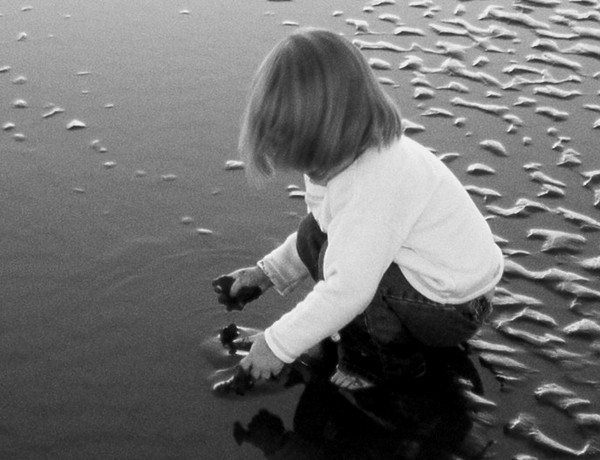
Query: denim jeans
[390,339]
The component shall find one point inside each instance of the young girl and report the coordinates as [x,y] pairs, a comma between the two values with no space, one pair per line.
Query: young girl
[402,259]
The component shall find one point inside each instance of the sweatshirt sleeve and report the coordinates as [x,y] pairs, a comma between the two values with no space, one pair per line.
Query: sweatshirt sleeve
[360,248]
[284,267]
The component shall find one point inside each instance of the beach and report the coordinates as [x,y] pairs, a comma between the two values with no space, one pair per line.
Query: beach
[121,200]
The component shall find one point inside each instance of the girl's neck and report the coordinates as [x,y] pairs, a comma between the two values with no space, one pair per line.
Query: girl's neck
[322,181]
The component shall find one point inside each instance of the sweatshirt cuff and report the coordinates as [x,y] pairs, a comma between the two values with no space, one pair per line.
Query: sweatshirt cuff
[284,267]
[276,347]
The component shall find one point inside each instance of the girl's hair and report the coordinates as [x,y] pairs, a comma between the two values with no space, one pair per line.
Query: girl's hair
[314,106]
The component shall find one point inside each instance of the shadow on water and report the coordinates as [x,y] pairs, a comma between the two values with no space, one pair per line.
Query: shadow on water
[436,416]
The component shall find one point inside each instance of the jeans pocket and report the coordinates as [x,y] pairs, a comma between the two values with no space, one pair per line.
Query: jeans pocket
[436,325]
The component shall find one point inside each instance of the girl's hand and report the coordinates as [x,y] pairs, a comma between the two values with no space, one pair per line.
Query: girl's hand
[260,362]
[249,277]
[240,287]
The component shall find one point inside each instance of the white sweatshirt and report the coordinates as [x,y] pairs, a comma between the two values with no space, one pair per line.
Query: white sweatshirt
[399,204]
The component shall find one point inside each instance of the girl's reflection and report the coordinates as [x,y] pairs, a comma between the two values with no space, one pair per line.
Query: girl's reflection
[428,418]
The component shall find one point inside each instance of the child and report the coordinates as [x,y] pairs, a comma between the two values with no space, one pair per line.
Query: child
[401,256]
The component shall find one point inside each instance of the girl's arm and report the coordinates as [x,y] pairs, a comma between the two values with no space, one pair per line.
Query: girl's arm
[284,267]
[360,249]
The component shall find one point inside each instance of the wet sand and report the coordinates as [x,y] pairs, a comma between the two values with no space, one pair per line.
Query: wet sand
[112,227]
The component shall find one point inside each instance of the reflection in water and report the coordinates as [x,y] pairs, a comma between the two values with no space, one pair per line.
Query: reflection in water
[437,416]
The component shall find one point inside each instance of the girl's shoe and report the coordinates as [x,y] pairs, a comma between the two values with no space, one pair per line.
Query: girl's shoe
[350,382]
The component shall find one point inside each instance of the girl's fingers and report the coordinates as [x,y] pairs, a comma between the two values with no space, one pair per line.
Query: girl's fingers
[245,364]
[253,338]
[256,374]
[235,287]
[266,375]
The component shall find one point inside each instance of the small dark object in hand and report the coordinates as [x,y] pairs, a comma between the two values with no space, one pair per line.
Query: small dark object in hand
[231,340]
[239,383]
[228,334]
[222,286]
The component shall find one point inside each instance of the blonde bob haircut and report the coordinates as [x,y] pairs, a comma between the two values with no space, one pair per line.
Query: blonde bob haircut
[314,107]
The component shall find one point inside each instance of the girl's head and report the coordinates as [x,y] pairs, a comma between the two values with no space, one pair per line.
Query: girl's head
[314,107]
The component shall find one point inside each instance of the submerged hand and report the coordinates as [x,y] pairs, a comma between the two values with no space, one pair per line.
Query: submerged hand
[261,362]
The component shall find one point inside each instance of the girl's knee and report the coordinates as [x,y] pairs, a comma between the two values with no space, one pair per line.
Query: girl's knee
[310,241]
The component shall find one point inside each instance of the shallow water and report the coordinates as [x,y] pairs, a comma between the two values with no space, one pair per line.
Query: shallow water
[111,233]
